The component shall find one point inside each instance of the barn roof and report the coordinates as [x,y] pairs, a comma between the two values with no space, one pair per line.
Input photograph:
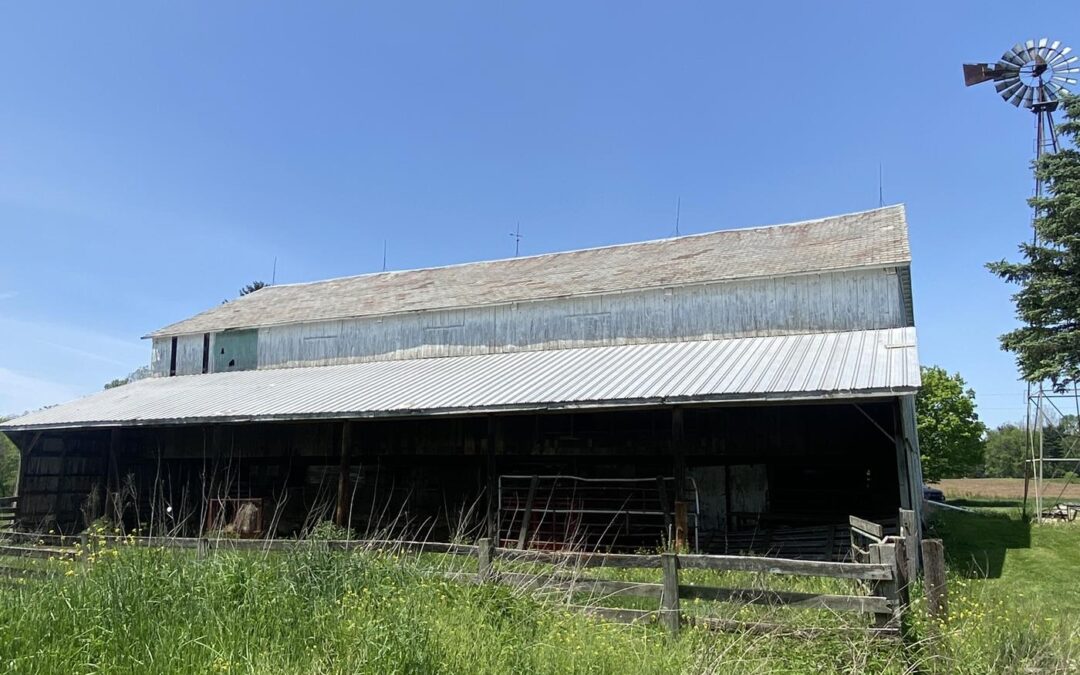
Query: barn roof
[866,239]
[780,368]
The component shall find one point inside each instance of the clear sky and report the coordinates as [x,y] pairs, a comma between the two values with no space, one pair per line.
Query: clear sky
[156,157]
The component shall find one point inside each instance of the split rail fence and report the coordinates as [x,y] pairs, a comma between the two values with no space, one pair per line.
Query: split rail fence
[881,567]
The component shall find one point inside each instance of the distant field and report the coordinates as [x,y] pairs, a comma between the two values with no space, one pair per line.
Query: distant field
[1000,488]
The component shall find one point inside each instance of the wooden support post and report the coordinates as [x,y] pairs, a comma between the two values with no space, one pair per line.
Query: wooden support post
[493,440]
[341,513]
[669,525]
[523,533]
[937,597]
[678,453]
[681,527]
[909,532]
[669,600]
[112,480]
[885,554]
[901,459]
[485,550]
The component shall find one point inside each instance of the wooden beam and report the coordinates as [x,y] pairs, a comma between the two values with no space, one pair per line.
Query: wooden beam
[903,478]
[342,512]
[678,453]
[866,527]
[523,533]
[494,438]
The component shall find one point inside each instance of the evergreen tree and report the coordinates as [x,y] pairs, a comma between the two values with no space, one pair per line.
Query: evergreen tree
[1047,346]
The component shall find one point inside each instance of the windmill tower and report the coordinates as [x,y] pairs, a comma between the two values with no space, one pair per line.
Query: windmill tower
[1034,75]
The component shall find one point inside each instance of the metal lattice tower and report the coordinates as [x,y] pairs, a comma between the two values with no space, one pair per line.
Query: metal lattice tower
[1035,74]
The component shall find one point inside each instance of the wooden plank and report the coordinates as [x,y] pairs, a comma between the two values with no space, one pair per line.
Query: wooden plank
[523,533]
[810,568]
[840,603]
[669,601]
[615,615]
[621,560]
[34,551]
[780,630]
[937,596]
[596,587]
[866,527]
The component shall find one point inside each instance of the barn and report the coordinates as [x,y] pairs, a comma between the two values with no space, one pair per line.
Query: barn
[737,389]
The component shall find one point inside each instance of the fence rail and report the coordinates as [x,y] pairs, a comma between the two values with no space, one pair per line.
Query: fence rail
[884,575]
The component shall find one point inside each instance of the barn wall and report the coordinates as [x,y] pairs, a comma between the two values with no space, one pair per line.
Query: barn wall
[839,301]
[852,300]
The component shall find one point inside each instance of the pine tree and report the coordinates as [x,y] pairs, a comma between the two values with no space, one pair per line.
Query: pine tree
[1047,346]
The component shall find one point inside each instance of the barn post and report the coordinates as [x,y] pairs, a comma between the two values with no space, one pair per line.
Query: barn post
[112,478]
[494,439]
[678,459]
[341,513]
[902,472]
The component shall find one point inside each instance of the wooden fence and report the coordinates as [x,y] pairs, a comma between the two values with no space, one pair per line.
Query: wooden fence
[882,564]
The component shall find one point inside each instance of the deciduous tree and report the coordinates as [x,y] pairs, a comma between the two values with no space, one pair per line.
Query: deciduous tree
[950,433]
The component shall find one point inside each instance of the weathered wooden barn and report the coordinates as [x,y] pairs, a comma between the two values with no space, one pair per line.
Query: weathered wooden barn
[753,380]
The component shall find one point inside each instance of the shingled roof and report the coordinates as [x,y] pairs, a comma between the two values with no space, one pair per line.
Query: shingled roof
[876,238]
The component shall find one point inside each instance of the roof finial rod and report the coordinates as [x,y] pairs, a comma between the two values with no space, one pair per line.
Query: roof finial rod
[273,275]
[383,255]
[516,234]
[678,210]
[880,187]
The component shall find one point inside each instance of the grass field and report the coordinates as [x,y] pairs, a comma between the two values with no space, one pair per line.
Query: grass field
[134,610]
[1002,488]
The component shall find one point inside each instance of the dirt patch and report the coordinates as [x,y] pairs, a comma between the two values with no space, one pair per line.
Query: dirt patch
[1004,488]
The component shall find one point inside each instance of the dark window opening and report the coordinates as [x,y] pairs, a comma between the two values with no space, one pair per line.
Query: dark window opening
[172,359]
[232,363]
[206,353]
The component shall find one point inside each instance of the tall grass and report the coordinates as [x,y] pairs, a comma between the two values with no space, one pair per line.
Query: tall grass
[137,610]
[134,609]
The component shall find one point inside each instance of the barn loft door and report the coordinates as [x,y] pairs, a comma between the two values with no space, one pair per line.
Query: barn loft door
[236,350]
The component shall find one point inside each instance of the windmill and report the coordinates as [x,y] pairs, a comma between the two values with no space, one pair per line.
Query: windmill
[1035,74]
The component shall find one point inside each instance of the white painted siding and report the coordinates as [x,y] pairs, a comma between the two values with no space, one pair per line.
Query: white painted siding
[839,301]
[189,355]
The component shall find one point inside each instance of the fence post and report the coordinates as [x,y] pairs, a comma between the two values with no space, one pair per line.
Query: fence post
[484,549]
[937,597]
[202,548]
[669,601]
[885,554]
[909,530]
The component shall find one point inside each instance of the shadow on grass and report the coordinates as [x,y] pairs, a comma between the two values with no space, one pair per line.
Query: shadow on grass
[975,543]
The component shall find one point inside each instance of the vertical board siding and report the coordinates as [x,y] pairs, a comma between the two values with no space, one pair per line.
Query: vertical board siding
[189,354]
[854,300]
[837,301]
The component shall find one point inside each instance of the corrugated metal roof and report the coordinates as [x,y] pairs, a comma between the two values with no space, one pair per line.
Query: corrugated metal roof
[821,365]
[867,239]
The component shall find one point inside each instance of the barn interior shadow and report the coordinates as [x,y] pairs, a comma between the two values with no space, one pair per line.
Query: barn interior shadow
[976,543]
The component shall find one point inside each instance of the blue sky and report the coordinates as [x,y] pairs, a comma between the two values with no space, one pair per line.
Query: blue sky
[156,157]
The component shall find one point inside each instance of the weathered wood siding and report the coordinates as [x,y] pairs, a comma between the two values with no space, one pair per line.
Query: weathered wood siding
[852,300]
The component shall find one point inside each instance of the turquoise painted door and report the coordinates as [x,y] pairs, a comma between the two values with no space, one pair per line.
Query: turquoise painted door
[236,350]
